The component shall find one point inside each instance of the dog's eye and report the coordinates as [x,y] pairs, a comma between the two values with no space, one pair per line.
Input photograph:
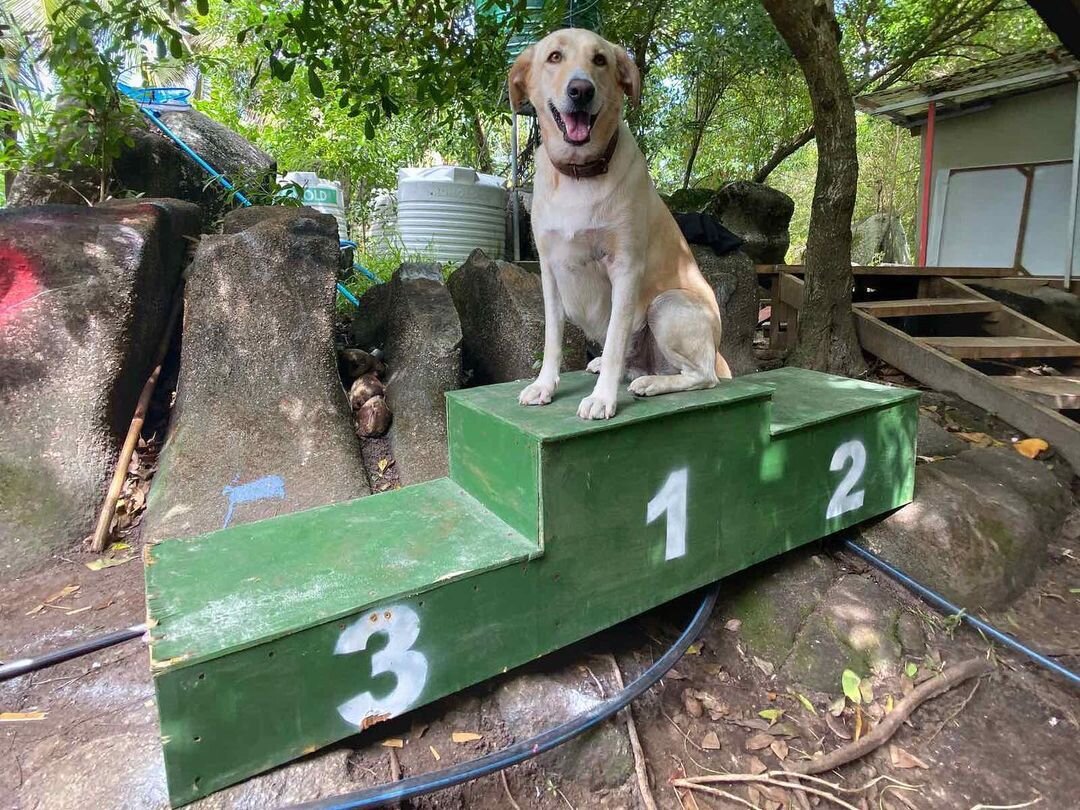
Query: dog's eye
[555,56]
[599,60]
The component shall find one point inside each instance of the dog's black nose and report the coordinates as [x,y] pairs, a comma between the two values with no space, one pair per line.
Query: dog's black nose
[580,91]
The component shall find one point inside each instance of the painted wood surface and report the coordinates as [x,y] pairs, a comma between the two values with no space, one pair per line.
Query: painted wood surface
[550,530]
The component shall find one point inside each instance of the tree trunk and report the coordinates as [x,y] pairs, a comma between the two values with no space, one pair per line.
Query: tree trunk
[483,150]
[826,337]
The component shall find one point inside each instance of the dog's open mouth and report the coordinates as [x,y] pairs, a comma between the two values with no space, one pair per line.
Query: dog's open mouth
[576,126]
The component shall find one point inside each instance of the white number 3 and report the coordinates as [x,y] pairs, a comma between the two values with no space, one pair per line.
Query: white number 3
[844,500]
[402,626]
[671,499]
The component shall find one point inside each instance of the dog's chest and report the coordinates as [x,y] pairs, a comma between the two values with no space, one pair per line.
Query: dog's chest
[579,263]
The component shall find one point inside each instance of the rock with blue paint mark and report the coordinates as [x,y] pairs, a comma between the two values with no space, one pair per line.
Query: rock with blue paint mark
[262,425]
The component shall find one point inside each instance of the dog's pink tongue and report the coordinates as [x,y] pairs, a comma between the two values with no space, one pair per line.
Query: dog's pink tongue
[577,125]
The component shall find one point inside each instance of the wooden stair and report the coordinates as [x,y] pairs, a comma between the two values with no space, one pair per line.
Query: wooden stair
[907,307]
[984,366]
[994,347]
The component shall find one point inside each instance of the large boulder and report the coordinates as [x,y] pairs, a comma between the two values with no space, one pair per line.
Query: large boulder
[85,294]
[413,319]
[1050,306]
[978,528]
[734,280]
[261,424]
[154,166]
[533,702]
[880,239]
[855,626]
[759,214]
[501,307]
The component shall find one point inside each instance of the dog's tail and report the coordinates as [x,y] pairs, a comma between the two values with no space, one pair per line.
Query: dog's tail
[723,370]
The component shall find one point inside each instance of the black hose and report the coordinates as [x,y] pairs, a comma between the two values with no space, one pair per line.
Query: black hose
[526,749]
[14,669]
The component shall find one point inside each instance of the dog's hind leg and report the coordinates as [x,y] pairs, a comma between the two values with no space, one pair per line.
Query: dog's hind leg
[687,333]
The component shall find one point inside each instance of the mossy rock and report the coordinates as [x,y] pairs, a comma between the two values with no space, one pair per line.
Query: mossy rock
[774,599]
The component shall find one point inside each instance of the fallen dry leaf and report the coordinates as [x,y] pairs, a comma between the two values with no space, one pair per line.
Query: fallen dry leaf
[733,625]
[434,753]
[765,666]
[107,562]
[858,723]
[836,708]
[465,736]
[675,675]
[978,439]
[692,704]
[1030,447]
[784,728]
[20,717]
[694,649]
[393,742]
[714,707]
[67,590]
[38,609]
[902,759]
[837,727]
[710,742]
[759,741]
[756,766]
[780,748]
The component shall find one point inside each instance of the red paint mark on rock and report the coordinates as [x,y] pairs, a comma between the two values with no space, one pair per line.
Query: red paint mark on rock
[18,281]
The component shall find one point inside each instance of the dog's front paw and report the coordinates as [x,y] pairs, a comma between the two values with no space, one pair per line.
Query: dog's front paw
[538,393]
[594,366]
[597,406]
[647,386]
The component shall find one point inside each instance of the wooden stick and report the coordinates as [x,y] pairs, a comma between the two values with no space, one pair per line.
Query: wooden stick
[635,744]
[506,789]
[101,533]
[894,719]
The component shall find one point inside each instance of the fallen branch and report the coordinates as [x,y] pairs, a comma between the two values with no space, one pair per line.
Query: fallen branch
[506,789]
[101,532]
[635,744]
[884,730]
[702,783]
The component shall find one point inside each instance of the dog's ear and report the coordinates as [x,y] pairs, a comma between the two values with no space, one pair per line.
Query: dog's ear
[518,80]
[629,76]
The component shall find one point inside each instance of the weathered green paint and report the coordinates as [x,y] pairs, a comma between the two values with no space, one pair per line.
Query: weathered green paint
[555,546]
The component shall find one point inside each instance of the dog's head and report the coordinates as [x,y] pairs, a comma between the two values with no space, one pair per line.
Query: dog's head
[576,81]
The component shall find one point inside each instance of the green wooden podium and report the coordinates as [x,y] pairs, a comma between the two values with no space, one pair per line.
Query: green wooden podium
[272,639]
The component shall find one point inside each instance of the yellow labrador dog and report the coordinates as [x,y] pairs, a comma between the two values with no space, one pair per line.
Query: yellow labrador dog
[612,259]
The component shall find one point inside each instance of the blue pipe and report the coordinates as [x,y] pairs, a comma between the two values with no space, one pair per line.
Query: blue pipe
[944,604]
[194,156]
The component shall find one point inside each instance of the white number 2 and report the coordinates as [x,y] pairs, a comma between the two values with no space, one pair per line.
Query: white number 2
[671,500]
[402,626]
[844,500]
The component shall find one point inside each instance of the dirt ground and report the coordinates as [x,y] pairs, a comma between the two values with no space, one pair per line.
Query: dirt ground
[1007,740]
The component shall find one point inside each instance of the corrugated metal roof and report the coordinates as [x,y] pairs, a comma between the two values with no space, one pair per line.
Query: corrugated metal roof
[1008,76]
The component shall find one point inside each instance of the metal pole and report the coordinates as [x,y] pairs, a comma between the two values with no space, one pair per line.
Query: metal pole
[514,185]
[1074,198]
[927,172]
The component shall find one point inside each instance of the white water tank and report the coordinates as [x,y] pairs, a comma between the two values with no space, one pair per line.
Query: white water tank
[323,195]
[446,212]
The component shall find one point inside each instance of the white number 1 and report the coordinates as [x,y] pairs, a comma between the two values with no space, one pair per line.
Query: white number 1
[671,500]
[844,500]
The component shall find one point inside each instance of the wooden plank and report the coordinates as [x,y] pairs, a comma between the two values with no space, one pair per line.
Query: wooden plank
[672,493]
[926,306]
[1001,347]
[944,373]
[1004,321]
[1060,393]
[899,270]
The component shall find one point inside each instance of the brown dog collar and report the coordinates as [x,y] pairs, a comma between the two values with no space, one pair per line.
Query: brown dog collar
[593,168]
